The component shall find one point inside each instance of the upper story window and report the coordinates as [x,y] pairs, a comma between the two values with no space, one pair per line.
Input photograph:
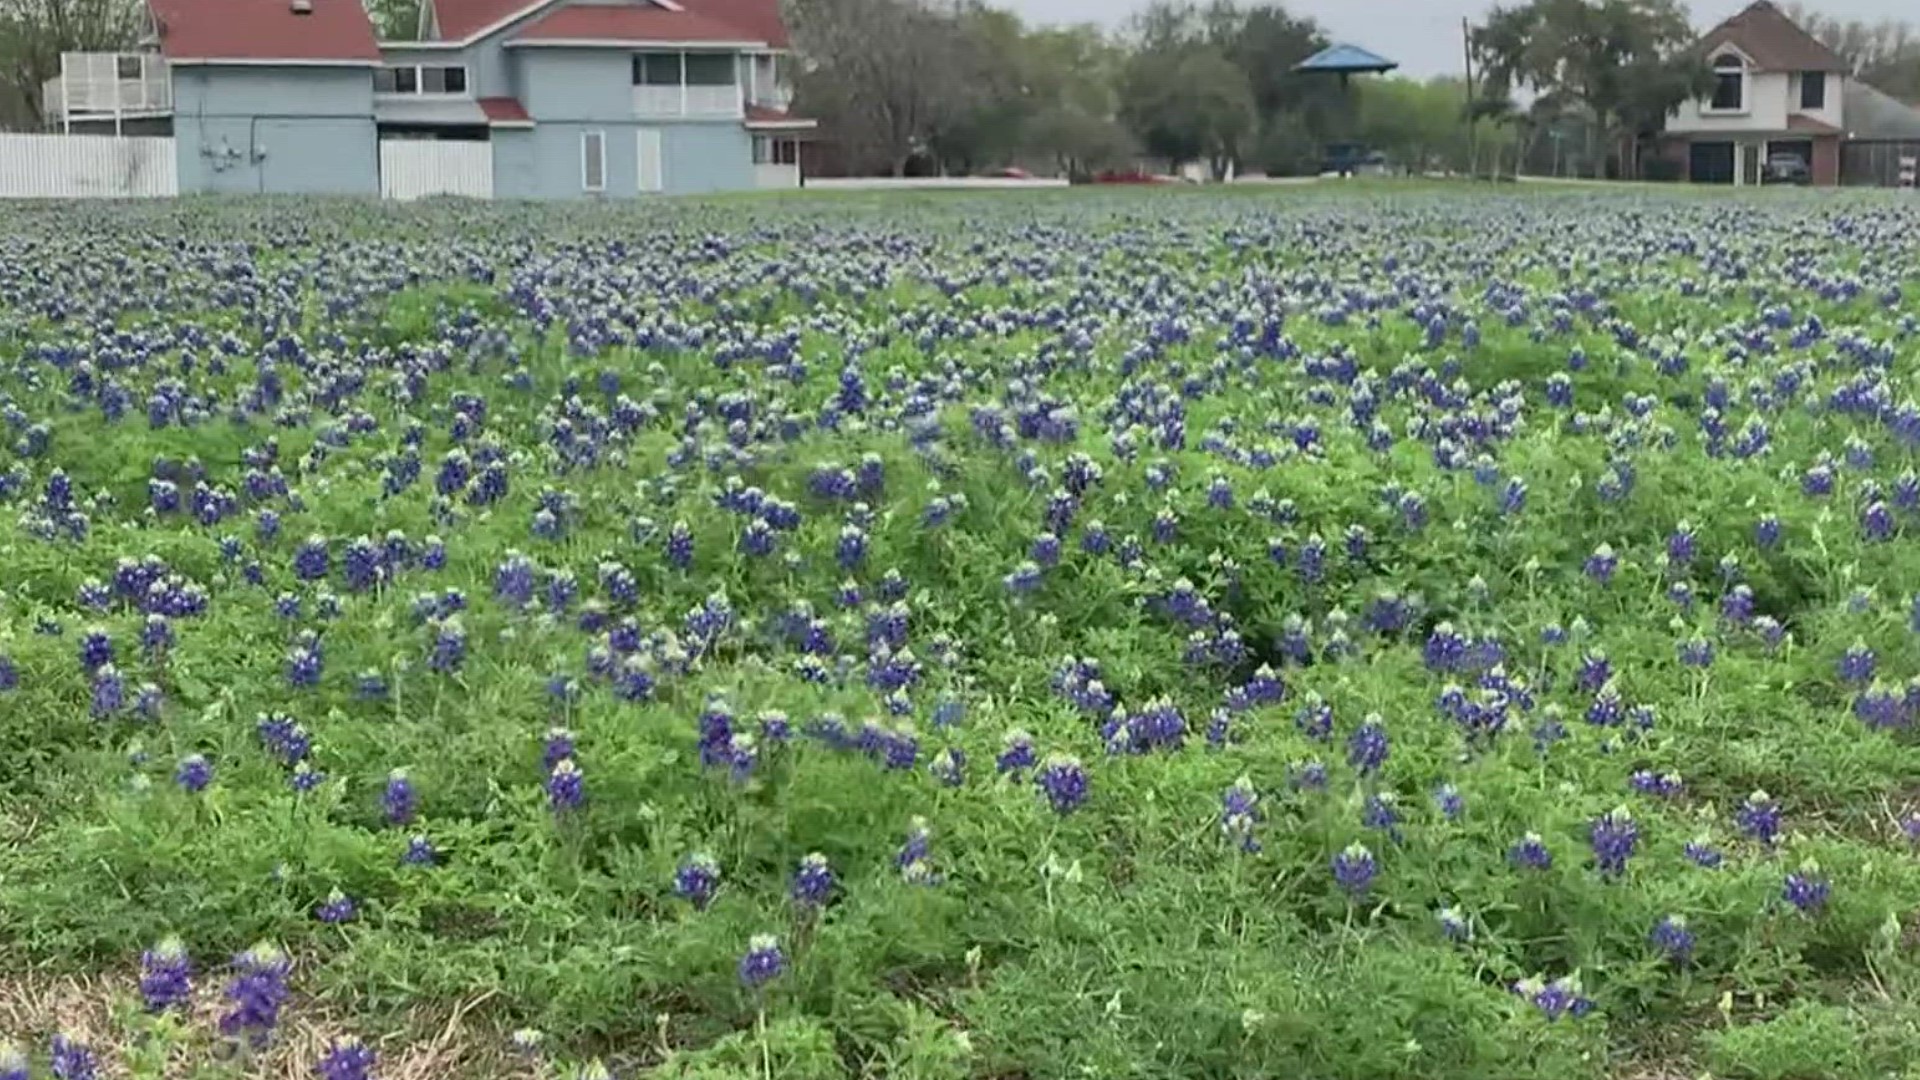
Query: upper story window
[683,69]
[1813,90]
[420,79]
[1729,84]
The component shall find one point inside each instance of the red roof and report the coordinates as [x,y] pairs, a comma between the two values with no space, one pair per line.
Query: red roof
[1773,41]
[744,20]
[760,114]
[760,19]
[1808,124]
[504,110]
[608,22]
[461,19]
[335,30]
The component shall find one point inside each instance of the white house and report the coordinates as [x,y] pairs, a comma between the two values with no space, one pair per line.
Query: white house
[1777,90]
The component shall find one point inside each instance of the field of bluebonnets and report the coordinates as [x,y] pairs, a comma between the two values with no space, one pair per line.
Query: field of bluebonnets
[1375,634]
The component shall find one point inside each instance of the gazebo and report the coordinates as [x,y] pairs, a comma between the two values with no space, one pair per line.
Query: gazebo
[1346,61]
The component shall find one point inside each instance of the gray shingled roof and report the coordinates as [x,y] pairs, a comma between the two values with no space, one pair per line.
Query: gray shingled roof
[1873,115]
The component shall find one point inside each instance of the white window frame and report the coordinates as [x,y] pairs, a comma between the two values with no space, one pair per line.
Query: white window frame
[1707,107]
[596,138]
[420,82]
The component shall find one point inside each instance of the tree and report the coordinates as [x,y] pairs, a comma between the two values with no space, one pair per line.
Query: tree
[1885,54]
[886,78]
[1626,62]
[1079,142]
[33,34]
[1187,103]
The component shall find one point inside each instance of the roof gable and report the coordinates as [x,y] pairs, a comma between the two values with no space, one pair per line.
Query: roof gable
[756,21]
[629,24]
[1773,41]
[255,31]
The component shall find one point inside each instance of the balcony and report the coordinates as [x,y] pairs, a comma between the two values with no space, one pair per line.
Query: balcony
[684,102]
[102,85]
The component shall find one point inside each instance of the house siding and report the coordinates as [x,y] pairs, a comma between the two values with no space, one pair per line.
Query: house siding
[252,129]
[1766,102]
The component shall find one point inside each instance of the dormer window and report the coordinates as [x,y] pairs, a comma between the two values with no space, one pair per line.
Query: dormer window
[1729,84]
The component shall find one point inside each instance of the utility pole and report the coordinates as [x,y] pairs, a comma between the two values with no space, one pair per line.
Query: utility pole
[1473,124]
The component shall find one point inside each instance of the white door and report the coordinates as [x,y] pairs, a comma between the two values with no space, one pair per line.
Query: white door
[653,169]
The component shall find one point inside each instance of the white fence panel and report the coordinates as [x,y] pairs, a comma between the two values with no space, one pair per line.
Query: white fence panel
[929,183]
[86,166]
[417,168]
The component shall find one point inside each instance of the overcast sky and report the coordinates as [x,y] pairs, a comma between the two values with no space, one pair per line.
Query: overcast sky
[1424,35]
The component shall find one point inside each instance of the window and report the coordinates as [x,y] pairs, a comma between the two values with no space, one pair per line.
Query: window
[710,69]
[1729,84]
[127,67]
[769,150]
[691,69]
[420,79]
[593,160]
[656,69]
[1813,90]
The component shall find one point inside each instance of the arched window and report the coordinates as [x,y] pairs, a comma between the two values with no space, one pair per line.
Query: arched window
[1729,83]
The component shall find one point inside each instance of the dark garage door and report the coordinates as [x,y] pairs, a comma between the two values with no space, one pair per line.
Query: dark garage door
[1710,163]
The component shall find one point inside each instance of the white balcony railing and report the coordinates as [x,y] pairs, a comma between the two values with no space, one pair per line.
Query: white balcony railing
[688,102]
[108,84]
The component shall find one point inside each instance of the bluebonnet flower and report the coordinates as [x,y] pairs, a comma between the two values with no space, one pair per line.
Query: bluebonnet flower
[813,882]
[1856,665]
[449,646]
[258,989]
[1454,924]
[305,777]
[1613,837]
[1671,936]
[1696,652]
[1530,852]
[420,852]
[9,674]
[1017,753]
[1665,785]
[71,1059]
[347,1059]
[194,773]
[527,1042]
[1556,999]
[397,803]
[558,746]
[1240,813]
[166,976]
[337,908]
[1063,780]
[949,766]
[1367,747]
[1448,800]
[1601,565]
[1354,869]
[763,962]
[1380,811]
[1806,889]
[1023,579]
[311,561]
[915,855]
[1766,532]
[1760,817]
[109,694]
[13,1062]
[697,879]
[1309,775]
[96,650]
[1681,545]
[566,787]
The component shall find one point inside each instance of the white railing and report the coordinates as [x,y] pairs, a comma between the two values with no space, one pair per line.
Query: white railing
[773,177]
[693,102]
[109,84]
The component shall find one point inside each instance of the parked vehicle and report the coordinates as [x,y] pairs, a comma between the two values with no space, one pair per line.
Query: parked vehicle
[1786,169]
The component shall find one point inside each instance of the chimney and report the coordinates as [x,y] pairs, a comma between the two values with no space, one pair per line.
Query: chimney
[301,7]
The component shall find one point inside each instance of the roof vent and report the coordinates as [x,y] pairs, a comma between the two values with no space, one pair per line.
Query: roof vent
[301,7]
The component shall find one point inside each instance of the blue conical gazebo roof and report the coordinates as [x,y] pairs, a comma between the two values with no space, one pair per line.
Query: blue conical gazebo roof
[1346,60]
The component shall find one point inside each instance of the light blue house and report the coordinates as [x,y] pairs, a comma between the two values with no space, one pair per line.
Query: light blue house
[505,98]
